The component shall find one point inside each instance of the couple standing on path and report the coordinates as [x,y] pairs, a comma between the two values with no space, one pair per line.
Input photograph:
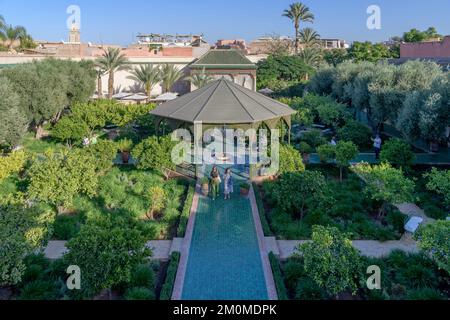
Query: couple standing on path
[216,180]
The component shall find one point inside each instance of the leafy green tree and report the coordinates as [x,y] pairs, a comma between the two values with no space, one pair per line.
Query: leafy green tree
[398,153]
[147,75]
[70,130]
[385,184]
[415,35]
[290,160]
[91,114]
[297,13]
[13,163]
[156,154]
[22,231]
[326,152]
[335,56]
[104,152]
[357,133]
[42,89]
[299,193]
[58,177]
[14,121]
[331,260]
[439,182]
[170,75]
[366,51]
[12,34]
[278,72]
[346,151]
[107,251]
[112,61]
[434,240]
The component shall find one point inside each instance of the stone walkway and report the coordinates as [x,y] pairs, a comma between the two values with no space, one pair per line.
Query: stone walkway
[161,249]
[376,249]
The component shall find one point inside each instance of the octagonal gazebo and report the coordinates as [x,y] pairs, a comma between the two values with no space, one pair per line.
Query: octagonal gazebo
[224,104]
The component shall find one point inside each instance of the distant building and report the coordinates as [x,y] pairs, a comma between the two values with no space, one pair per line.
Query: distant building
[333,44]
[437,51]
[74,35]
[237,44]
[264,45]
[230,64]
[426,49]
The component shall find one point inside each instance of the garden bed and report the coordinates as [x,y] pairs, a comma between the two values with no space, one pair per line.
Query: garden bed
[352,212]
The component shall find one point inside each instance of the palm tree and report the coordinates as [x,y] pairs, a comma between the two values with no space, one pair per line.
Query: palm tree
[298,12]
[170,75]
[12,34]
[311,57]
[2,23]
[111,61]
[100,73]
[148,75]
[200,80]
[309,37]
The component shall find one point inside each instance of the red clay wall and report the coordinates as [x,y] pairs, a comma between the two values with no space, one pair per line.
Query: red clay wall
[426,49]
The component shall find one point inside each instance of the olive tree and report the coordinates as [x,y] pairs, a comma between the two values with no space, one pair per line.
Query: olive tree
[14,123]
[398,153]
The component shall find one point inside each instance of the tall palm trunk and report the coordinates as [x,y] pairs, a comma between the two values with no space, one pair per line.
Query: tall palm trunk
[110,85]
[99,86]
[297,37]
[148,91]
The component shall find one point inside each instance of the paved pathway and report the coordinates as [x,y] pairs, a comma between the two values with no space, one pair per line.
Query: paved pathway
[286,248]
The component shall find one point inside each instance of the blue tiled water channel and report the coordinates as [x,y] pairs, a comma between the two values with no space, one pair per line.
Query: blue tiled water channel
[224,261]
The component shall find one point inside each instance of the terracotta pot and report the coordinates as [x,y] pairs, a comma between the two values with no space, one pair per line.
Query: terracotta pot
[125,157]
[244,192]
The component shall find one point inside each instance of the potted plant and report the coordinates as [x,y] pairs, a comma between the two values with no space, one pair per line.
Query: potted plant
[124,147]
[245,189]
[204,182]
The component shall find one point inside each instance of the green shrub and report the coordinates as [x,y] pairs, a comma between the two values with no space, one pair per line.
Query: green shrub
[397,220]
[307,289]
[278,277]
[357,133]
[398,153]
[425,294]
[167,288]
[262,211]
[143,276]
[314,138]
[293,270]
[434,212]
[305,148]
[39,290]
[327,152]
[138,293]
[66,227]
[185,214]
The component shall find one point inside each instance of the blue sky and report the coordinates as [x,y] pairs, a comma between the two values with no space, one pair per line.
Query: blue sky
[112,21]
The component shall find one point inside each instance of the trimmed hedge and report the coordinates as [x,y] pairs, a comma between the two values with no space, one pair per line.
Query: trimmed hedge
[167,288]
[278,277]
[185,214]
[262,212]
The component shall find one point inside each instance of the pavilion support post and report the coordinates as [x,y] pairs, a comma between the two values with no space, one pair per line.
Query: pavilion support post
[289,136]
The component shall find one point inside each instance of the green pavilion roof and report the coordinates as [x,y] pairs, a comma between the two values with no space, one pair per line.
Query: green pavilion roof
[223,102]
[223,59]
